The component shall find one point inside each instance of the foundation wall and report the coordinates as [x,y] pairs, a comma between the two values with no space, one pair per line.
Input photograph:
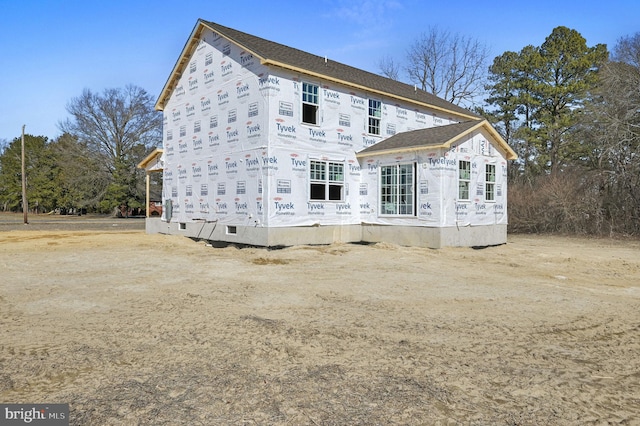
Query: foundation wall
[468,236]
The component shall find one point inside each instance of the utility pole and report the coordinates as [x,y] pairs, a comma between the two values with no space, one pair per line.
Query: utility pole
[25,203]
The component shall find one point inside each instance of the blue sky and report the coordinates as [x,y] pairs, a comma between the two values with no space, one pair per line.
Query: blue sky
[51,50]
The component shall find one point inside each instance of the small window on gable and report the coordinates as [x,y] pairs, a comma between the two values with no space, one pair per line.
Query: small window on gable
[375,112]
[310,105]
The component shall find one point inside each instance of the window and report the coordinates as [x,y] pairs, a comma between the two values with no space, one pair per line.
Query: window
[490,182]
[326,181]
[375,112]
[310,103]
[464,179]
[397,195]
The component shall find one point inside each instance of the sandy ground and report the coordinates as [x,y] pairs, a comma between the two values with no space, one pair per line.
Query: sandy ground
[135,329]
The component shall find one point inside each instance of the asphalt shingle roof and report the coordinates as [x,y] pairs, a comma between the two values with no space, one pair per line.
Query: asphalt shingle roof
[440,136]
[277,53]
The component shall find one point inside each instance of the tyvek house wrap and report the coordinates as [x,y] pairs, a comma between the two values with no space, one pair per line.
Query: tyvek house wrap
[236,151]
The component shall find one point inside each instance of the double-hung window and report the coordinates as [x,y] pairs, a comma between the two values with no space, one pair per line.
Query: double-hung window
[310,105]
[326,181]
[397,194]
[375,112]
[464,179]
[490,182]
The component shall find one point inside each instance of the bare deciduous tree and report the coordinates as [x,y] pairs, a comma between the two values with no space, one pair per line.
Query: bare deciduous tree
[627,50]
[612,134]
[389,67]
[118,127]
[449,65]
[114,122]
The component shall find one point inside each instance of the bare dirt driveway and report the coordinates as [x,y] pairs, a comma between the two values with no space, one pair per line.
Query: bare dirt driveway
[135,329]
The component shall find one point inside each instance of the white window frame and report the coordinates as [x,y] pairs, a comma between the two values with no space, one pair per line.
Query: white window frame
[397,194]
[310,101]
[326,179]
[490,182]
[374,117]
[464,180]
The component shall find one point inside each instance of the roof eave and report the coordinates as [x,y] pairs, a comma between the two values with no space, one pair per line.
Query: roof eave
[510,154]
[398,151]
[176,72]
[190,46]
[149,158]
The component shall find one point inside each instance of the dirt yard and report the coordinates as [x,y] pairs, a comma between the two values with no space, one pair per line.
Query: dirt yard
[136,329]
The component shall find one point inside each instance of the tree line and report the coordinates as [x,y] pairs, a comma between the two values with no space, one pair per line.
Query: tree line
[92,166]
[570,111]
